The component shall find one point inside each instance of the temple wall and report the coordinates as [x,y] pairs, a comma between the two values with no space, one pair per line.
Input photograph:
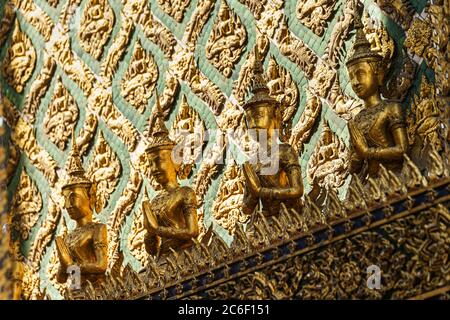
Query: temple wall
[68,79]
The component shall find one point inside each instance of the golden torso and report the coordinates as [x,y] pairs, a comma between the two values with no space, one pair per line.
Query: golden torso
[377,125]
[374,124]
[169,208]
[287,158]
[81,242]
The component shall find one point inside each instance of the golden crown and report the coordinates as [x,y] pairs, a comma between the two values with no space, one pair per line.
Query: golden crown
[260,90]
[74,168]
[361,47]
[158,135]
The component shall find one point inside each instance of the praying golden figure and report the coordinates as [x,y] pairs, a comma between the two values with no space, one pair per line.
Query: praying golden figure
[378,133]
[86,246]
[170,218]
[284,183]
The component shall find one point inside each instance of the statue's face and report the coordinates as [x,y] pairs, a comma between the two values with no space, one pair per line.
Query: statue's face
[162,167]
[363,79]
[261,117]
[77,202]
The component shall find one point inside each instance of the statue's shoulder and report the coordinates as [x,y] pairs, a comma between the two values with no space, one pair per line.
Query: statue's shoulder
[98,227]
[288,155]
[393,108]
[188,194]
[287,148]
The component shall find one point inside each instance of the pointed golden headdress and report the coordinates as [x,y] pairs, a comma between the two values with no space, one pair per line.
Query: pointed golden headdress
[361,46]
[74,168]
[261,93]
[158,135]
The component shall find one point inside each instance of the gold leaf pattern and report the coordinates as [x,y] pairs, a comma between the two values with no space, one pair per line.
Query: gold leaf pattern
[140,79]
[20,59]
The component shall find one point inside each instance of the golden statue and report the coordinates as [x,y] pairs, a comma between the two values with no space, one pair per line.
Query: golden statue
[284,185]
[85,247]
[170,218]
[378,133]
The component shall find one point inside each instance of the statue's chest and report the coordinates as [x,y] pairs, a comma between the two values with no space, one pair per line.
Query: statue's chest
[278,179]
[166,205]
[80,242]
[373,125]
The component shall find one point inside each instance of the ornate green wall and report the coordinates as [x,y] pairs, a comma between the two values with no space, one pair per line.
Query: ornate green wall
[168,65]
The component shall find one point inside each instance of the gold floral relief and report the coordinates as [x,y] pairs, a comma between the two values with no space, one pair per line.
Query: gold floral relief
[315,13]
[157,32]
[31,285]
[196,22]
[283,88]
[227,207]
[424,119]
[242,84]
[116,50]
[61,116]
[227,40]
[54,263]
[418,37]
[44,235]
[174,8]
[37,17]
[168,95]
[295,49]
[303,128]
[26,206]
[104,171]
[327,166]
[96,26]
[188,132]
[255,6]
[122,209]
[20,59]
[140,79]
[38,88]
[87,132]
[136,236]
